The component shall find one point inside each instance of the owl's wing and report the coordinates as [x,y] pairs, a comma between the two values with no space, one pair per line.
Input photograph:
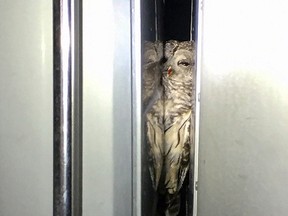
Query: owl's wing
[155,135]
[177,152]
[151,83]
[187,141]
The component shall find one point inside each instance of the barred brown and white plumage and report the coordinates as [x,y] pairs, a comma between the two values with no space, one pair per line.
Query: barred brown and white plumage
[153,53]
[179,102]
[153,108]
[168,111]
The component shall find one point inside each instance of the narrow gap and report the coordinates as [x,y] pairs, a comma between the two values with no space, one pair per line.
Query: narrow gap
[177,20]
[163,21]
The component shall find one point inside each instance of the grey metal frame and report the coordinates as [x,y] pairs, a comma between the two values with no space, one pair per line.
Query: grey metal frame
[68,107]
[67,179]
[136,105]
[198,94]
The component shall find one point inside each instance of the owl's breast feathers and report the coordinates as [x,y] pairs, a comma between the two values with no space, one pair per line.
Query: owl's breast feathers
[178,99]
[178,107]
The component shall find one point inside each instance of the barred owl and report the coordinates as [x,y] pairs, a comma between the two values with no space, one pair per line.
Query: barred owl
[179,105]
[168,111]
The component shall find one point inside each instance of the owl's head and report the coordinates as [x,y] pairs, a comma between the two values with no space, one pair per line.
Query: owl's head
[180,56]
[153,52]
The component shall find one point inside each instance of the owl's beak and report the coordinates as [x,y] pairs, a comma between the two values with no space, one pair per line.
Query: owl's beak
[169,71]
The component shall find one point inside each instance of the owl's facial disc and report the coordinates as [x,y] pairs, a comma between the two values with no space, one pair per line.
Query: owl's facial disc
[183,59]
[180,66]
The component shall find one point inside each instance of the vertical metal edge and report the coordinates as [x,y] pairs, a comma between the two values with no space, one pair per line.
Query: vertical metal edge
[191,24]
[77,80]
[66,108]
[136,105]
[156,20]
[190,194]
[61,111]
[199,24]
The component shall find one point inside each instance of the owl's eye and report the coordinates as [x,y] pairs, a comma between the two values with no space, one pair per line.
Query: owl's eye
[184,63]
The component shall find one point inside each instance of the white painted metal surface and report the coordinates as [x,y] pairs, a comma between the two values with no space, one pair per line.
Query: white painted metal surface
[26,116]
[107,152]
[243,165]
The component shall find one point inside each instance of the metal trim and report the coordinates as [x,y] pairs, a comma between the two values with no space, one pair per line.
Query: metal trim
[67,108]
[191,20]
[198,36]
[136,105]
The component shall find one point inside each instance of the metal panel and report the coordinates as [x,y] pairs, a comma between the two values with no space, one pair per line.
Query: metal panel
[137,137]
[26,108]
[107,153]
[243,165]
